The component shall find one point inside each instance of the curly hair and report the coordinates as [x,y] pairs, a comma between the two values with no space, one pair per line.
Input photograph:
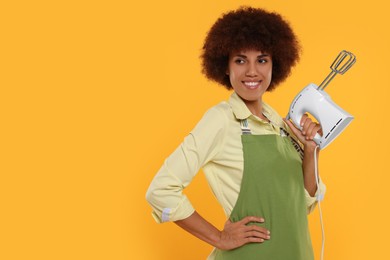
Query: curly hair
[250,28]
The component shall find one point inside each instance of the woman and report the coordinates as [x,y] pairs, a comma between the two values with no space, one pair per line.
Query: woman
[259,166]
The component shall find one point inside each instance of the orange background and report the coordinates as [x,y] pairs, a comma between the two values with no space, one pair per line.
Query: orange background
[96,94]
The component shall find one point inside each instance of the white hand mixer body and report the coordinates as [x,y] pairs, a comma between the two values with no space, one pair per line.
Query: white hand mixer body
[314,100]
[332,118]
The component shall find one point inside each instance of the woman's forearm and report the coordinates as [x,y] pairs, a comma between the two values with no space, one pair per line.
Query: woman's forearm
[201,228]
[233,235]
[305,136]
[309,169]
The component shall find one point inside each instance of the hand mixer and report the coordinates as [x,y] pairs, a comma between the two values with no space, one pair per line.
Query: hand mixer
[332,118]
[314,100]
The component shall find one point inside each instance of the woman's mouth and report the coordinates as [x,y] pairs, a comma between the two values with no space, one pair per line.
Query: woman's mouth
[251,84]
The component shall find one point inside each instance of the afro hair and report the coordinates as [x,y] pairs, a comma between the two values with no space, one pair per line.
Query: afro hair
[250,28]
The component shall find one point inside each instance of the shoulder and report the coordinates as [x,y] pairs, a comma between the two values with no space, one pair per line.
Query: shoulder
[216,118]
[222,109]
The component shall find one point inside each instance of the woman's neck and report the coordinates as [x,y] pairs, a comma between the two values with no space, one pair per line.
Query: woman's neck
[256,108]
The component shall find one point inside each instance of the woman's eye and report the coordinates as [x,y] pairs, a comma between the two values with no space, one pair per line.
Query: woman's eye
[239,61]
[262,60]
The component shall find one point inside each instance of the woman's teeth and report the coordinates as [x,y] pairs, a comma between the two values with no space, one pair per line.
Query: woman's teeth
[251,84]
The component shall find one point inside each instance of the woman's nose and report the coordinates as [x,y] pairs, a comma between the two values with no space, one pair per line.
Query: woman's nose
[251,70]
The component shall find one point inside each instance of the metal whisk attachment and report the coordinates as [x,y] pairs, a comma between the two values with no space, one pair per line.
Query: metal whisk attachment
[340,65]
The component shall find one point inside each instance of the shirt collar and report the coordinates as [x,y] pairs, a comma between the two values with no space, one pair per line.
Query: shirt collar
[241,111]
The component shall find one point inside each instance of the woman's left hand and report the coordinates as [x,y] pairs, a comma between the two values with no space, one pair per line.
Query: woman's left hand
[309,130]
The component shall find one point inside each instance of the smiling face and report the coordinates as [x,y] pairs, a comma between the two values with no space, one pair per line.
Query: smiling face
[250,74]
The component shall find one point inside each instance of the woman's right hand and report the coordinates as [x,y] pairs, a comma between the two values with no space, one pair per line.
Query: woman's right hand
[237,234]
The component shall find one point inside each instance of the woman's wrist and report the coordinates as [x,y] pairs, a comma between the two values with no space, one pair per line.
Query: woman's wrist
[310,147]
[201,228]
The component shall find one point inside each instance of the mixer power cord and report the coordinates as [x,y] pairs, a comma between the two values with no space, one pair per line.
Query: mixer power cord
[320,197]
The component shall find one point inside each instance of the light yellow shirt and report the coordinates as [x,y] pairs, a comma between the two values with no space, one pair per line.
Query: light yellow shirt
[214,145]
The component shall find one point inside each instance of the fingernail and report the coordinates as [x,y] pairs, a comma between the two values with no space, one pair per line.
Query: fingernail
[268,237]
[268,232]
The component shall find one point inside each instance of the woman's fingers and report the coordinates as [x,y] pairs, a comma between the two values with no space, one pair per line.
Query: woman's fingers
[237,234]
[305,124]
[249,219]
[309,128]
[253,230]
[314,130]
[254,240]
[259,233]
[257,229]
[305,118]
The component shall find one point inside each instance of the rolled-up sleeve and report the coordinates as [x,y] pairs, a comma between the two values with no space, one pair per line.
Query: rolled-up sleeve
[165,193]
[311,202]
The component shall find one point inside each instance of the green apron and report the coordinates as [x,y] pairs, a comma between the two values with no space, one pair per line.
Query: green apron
[272,188]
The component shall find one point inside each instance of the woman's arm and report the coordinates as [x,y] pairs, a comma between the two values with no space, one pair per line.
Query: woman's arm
[232,236]
[309,130]
[309,169]
[166,191]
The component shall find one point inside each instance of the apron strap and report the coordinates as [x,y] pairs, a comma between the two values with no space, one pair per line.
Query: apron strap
[245,130]
[293,141]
